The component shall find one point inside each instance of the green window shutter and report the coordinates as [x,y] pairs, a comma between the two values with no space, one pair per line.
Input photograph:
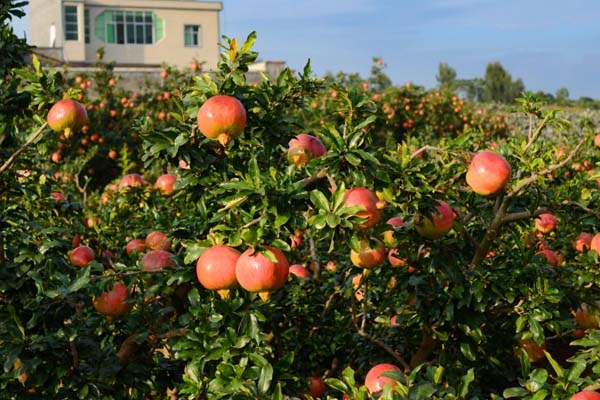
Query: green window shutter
[159,29]
[99,26]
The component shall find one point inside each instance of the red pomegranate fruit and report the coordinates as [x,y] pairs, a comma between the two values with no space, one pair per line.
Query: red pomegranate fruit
[361,196]
[304,148]
[131,180]
[215,269]
[375,382]
[67,115]
[157,240]
[81,256]
[164,184]
[257,273]
[488,173]
[156,260]
[222,118]
[135,246]
[437,224]
[112,303]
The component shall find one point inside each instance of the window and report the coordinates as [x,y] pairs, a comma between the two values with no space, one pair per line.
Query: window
[192,35]
[71,28]
[129,27]
[86,24]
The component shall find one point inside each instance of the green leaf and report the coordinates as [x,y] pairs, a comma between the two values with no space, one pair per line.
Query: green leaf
[368,121]
[338,385]
[17,320]
[438,375]
[576,371]
[82,280]
[249,43]
[266,376]
[536,329]
[557,368]
[537,380]
[233,203]
[319,200]
[465,382]
[514,392]
[467,351]
[352,159]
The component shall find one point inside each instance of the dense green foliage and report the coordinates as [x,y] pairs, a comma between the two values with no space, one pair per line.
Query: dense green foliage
[466,307]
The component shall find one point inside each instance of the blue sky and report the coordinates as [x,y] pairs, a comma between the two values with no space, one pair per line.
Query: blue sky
[549,44]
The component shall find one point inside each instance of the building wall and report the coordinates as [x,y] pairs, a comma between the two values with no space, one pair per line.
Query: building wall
[74,50]
[169,49]
[44,13]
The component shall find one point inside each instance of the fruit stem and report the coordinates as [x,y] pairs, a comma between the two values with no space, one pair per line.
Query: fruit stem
[224,139]
[265,296]
[68,132]
[11,160]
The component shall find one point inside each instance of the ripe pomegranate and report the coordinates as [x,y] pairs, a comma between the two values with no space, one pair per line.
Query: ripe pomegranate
[299,271]
[215,269]
[135,246]
[586,395]
[361,196]
[388,236]
[56,157]
[587,317]
[397,262]
[582,241]
[545,223]
[57,196]
[316,386]
[81,256]
[157,240]
[112,303]
[304,148]
[372,254]
[437,224]
[375,382]
[488,173]
[155,260]
[552,257]
[131,180]
[67,115]
[534,351]
[595,243]
[222,118]
[256,273]
[164,184]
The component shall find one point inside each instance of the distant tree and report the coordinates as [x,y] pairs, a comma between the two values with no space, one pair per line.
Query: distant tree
[471,89]
[378,79]
[518,87]
[562,95]
[446,77]
[544,97]
[499,86]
